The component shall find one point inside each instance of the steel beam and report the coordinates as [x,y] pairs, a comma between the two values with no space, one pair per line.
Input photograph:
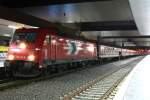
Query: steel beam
[19,17]
[137,47]
[16,16]
[108,25]
[31,3]
[84,26]
[127,37]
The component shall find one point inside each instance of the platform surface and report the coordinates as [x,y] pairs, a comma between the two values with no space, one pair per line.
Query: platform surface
[137,84]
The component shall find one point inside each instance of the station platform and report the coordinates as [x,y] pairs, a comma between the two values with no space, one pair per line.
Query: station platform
[136,86]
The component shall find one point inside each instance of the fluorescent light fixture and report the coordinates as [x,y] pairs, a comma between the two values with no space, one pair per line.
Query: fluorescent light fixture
[13,27]
[6,34]
[34,27]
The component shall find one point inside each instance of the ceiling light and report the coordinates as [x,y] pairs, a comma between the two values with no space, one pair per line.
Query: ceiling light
[13,27]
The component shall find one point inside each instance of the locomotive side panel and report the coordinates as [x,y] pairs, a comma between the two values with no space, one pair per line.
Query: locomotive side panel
[69,49]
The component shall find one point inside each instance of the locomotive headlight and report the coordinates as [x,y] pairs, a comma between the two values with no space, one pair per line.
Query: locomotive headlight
[22,45]
[31,57]
[11,57]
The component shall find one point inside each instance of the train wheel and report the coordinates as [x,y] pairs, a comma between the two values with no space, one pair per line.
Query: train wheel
[49,70]
[63,67]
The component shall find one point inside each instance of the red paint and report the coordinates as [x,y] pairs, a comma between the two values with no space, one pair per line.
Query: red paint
[60,48]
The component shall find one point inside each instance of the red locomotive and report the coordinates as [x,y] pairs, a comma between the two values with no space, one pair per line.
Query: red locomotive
[32,50]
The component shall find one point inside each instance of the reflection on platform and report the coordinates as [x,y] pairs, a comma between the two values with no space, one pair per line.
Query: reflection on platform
[136,86]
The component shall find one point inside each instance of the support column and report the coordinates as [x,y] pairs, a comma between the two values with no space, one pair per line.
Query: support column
[99,39]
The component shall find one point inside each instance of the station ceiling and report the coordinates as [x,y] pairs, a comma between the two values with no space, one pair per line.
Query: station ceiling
[31,3]
[93,17]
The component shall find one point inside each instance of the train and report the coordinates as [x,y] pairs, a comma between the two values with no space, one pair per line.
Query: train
[34,51]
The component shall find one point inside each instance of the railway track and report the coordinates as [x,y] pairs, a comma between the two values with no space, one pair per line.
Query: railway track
[6,80]
[12,83]
[102,88]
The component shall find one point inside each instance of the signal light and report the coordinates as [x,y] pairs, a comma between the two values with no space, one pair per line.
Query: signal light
[31,57]
[11,57]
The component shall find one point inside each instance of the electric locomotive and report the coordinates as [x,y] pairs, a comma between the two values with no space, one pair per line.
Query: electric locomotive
[32,50]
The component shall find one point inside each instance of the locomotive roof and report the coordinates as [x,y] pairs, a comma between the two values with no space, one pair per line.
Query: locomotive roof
[55,31]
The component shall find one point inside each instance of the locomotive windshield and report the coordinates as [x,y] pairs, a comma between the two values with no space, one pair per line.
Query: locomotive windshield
[29,37]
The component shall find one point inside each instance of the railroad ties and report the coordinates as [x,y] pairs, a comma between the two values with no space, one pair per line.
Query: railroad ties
[100,88]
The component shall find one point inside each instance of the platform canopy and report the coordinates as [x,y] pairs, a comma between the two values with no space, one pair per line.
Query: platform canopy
[91,18]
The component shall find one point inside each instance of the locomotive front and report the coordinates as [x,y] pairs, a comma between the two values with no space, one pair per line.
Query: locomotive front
[23,54]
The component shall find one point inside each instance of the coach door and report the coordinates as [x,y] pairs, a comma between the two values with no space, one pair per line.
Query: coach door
[53,48]
[47,48]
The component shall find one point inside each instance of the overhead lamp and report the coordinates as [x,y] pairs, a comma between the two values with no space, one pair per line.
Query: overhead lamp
[13,27]
[34,27]
[6,34]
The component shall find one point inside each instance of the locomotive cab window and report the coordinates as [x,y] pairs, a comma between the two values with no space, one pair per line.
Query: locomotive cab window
[29,37]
